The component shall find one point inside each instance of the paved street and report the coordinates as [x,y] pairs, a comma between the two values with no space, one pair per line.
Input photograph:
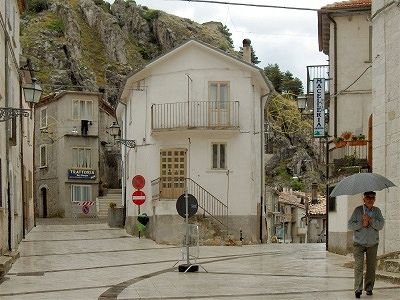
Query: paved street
[92,261]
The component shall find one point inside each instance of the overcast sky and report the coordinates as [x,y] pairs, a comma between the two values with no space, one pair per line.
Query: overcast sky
[286,37]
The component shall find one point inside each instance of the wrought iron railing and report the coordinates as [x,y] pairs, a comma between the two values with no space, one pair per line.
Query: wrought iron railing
[351,157]
[195,115]
[318,71]
[209,204]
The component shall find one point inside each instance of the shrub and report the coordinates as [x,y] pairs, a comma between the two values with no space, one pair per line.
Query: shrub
[113,205]
[38,6]
[57,25]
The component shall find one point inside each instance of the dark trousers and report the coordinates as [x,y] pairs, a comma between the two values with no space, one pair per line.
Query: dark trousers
[370,253]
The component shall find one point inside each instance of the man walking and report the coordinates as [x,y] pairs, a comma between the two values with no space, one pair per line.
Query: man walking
[365,222]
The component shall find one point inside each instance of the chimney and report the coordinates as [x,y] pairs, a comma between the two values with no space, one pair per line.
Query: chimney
[247,50]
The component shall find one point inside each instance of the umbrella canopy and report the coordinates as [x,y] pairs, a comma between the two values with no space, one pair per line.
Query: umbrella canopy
[360,183]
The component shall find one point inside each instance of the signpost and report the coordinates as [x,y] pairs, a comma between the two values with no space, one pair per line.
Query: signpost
[138,196]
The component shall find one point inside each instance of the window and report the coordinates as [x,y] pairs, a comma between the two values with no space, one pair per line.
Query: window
[43,156]
[43,118]
[82,157]
[81,193]
[82,109]
[218,156]
[219,94]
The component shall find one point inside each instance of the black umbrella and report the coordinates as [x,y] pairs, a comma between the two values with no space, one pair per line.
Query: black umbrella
[360,183]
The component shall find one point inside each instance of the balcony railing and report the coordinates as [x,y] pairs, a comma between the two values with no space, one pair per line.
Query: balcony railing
[319,71]
[354,157]
[195,115]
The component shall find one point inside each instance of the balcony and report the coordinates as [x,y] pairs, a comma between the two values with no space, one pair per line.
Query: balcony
[195,115]
[351,157]
[318,71]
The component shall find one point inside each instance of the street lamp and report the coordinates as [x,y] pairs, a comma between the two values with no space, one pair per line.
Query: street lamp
[301,103]
[115,130]
[32,93]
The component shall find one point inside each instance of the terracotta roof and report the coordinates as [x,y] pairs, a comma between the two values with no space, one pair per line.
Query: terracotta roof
[318,208]
[290,199]
[352,4]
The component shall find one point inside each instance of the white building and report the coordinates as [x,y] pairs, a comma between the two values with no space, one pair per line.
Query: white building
[345,35]
[385,105]
[16,135]
[196,115]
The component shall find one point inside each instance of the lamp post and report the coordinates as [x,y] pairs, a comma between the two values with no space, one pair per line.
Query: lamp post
[115,131]
[32,93]
[301,103]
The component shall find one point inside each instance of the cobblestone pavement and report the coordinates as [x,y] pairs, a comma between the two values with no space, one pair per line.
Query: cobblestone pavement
[92,261]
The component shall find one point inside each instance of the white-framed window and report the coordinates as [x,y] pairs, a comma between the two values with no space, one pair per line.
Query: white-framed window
[82,110]
[43,117]
[81,192]
[218,92]
[82,157]
[218,155]
[43,156]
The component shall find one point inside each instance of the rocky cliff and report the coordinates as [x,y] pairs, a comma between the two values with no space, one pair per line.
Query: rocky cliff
[89,44]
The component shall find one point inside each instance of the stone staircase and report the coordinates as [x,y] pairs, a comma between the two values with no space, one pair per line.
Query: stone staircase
[103,203]
[6,262]
[389,267]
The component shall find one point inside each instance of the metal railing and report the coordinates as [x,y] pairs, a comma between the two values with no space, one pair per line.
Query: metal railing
[195,115]
[352,157]
[210,204]
[318,71]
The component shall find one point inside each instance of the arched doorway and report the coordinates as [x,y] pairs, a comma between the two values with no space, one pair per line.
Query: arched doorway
[43,197]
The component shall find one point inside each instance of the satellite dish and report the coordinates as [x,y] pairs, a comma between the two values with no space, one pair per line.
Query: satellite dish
[181,205]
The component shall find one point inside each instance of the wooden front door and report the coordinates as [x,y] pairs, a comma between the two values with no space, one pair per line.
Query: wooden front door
[173,172]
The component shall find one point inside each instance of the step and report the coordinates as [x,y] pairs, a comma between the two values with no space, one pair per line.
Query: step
[388,276]
[390,265]
[5,264]
[114,191]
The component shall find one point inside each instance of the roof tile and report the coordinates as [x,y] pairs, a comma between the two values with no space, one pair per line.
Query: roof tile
[348,4]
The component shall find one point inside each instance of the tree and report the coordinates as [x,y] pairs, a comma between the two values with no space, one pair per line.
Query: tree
[283,82]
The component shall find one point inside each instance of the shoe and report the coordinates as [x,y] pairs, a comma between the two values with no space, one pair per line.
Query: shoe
[370,293]
[358,294]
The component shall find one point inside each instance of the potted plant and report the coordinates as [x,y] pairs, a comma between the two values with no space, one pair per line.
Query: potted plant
[115,216]
[358,140]
[346,135]
[339,142]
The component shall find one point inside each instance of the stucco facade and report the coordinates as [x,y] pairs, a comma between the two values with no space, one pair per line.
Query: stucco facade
[385,105]
[345,35]
[16,202]
[69,157]
[185,76]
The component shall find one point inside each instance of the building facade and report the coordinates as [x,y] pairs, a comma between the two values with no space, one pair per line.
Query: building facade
[345,35]
[385,104]
[196,116]
[70,159]
[16,135]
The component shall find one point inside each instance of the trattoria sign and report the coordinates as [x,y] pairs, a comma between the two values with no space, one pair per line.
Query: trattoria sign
[319,107]
[81,174]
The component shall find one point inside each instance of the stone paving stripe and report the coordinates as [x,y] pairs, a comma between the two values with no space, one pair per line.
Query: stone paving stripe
[97,239]
[280,275]
[30,274]
[103,251]
[116,290]
[55,290]
[248,295]
[76,230]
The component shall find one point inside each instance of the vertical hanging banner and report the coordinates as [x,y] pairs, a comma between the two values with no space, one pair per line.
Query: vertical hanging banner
[319,107]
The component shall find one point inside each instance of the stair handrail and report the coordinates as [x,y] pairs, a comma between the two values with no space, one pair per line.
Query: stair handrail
[210,204]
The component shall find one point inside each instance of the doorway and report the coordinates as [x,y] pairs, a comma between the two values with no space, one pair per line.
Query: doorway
[43,191]
[173,172]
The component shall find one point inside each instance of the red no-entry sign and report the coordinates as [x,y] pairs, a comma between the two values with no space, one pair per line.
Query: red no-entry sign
[138,197]
[138,182]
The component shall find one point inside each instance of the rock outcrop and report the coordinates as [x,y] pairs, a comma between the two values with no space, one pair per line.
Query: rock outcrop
[89,44]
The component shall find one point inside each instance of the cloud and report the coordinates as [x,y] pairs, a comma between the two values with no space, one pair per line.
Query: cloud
[286,37]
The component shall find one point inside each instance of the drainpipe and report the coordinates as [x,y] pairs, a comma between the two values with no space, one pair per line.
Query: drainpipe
[124,172]
[335,89]
[21,153]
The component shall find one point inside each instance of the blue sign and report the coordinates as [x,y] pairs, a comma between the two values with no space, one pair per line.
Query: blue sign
[81,174]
